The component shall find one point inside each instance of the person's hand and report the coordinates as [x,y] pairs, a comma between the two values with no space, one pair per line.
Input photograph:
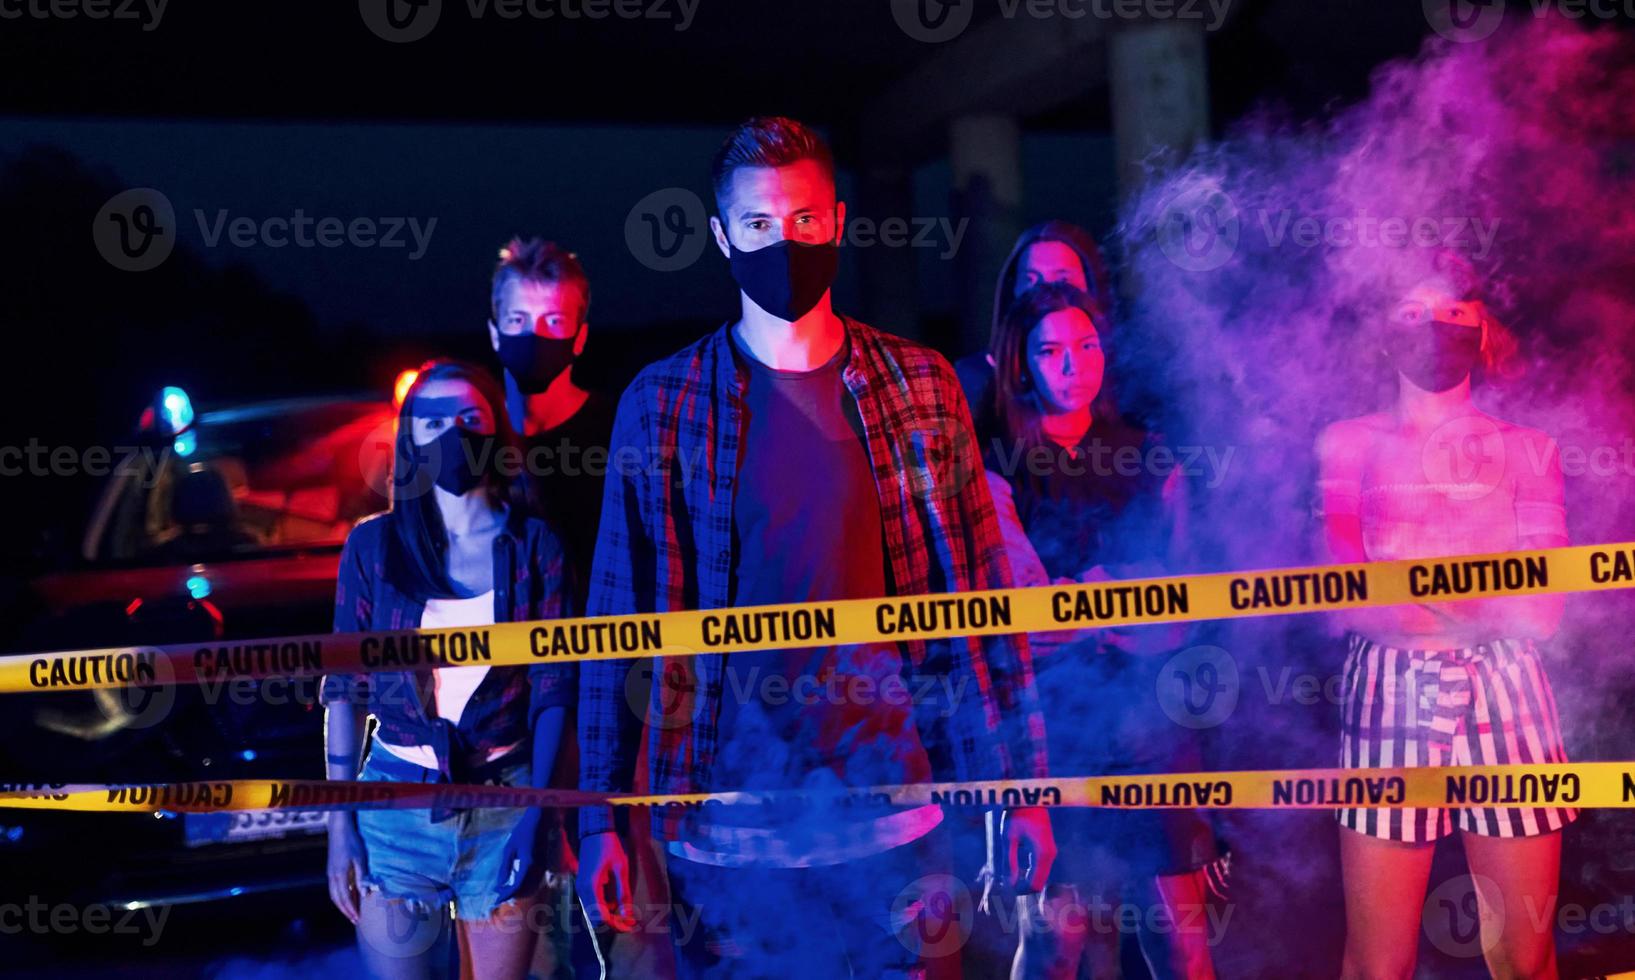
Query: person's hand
[1122,640]
[517,861]
[1145,641]
[1046,642]
[604,869]
[347,865]
[1030,826]
[1109,636]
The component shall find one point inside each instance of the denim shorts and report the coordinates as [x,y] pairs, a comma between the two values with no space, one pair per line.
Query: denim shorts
[458,860]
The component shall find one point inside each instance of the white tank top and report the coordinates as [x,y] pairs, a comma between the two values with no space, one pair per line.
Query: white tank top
[452,686]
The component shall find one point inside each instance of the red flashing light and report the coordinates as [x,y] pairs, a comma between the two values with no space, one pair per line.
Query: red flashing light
[400,388]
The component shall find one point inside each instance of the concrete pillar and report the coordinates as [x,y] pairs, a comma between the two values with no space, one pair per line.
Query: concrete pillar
[1160,95]
[985,151]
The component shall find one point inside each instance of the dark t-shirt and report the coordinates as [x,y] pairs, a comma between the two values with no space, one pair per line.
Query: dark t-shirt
[1100,503]
[1104,505]
[566,466]
[807,521]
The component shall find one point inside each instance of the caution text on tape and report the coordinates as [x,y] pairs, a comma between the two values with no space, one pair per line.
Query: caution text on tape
[1169,599]
[1582,785]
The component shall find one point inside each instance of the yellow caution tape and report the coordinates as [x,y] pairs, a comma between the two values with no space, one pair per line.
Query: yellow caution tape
[1583,785]
[1169,599]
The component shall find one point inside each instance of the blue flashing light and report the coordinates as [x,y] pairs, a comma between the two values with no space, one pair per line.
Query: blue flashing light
[248,755]
[185,444]
[198,586]
[178,408]
[14,834]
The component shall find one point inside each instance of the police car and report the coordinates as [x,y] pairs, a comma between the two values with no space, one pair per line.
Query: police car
[223,524]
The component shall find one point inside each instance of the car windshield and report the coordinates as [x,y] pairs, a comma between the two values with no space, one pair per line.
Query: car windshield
[247,482]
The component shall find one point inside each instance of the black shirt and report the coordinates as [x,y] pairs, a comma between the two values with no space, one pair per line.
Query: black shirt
[566,466]
[808,527]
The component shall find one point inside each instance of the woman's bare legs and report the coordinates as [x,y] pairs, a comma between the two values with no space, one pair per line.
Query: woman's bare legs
[1384,894]
[1057,934]
[1181,950]
[402,940]
[1526,872]
[501,946]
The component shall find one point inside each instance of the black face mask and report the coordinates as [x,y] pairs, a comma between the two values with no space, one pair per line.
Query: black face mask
[460,457]
[786,279]
[535,361]
[1435,356]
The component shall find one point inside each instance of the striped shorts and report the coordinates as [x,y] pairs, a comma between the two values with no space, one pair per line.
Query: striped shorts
[1487,705]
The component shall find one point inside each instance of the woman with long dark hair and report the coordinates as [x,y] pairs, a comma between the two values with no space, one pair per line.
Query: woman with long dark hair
[1082,497]
[1050,251]
[1453,684]
[455,549]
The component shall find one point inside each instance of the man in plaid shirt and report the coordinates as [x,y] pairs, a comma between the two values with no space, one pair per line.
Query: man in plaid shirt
[800,455]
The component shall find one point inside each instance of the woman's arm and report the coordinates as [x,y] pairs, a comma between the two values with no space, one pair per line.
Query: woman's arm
[1342,452]
[1027,570]
[344,726]
[346,718]
[550,690]
[1541,522]
[522,852]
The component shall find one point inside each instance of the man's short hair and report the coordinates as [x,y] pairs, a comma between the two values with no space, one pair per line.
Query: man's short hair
[766,141]
[537,260]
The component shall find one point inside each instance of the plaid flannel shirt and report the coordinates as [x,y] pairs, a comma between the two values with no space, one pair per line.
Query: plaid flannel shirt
[529,583]
[666,544]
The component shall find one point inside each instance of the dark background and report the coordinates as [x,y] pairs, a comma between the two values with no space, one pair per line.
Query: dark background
[494,127]
[490,127]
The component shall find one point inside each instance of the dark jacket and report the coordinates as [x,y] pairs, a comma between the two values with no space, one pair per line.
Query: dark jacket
[529,583]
